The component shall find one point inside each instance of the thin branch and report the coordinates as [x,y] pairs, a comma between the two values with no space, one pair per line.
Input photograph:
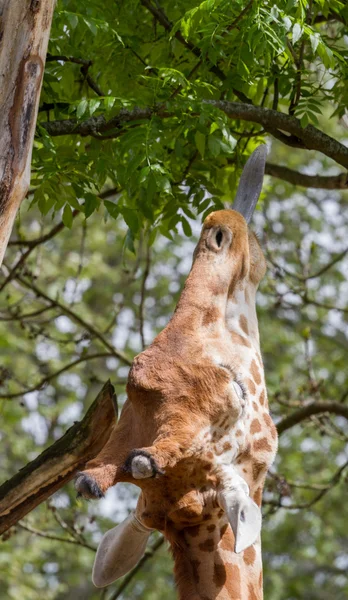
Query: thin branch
[315,408]
[30,315]
[334,481]
[41,240]
[45,380]
[85,65]
[148,554]
[143,295]
[329,182]
[56,538]
[70,313]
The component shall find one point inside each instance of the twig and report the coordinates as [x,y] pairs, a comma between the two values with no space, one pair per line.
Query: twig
[143,295]
[66,310]
[45,380]
[56,538]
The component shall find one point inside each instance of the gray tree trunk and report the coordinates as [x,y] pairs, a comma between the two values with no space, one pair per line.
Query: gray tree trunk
[24,34]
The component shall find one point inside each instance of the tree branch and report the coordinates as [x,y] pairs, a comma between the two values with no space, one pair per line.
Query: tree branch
[45,380]
[315,408]
[70,313]
[272,121]
[58,464]
[328,182]
[52,536]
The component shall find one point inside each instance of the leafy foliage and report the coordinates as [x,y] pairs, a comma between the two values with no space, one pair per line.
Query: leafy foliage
[103,62]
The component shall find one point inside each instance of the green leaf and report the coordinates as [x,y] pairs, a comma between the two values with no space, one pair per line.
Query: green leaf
[81,108]
[94,105]
[214,145]
[200,142]
[73,19]
[112,209]
[131,218]
[315,39]
[296,33]
[186,227]
[67,216]
[304,120]
[91,203]
[129,241]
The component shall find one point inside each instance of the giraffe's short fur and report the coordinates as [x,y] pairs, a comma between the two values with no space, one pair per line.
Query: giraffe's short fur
[196,422]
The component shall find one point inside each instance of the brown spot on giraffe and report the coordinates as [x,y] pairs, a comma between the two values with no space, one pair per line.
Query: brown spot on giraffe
[233,582]
[249,555]
[254,370]
[270,425]
[208,545]
[240,339]
[219,576]
[254,593]
[193,531]
[195,564]
[251,386]
[255,427]
[211,315]
[257,497]
[244,324]
[262,398]
[255,406]
[211,527]
[262,445]
[258,468]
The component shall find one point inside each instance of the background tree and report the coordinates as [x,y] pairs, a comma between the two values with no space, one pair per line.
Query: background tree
[147,113]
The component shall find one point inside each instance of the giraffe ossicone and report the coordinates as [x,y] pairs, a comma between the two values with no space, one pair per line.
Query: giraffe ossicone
[195,434]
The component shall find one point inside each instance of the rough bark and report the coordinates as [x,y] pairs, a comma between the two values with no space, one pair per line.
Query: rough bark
[24,33]
[58,464]
[284,127]
[327,182]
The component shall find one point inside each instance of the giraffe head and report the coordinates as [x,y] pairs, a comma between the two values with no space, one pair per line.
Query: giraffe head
[194,433]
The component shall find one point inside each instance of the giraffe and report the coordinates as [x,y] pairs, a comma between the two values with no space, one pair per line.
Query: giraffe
[195,432]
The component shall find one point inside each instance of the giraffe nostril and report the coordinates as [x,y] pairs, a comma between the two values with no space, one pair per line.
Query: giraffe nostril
[242,516]
[219,237]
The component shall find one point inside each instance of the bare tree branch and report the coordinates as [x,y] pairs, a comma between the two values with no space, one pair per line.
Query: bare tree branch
[272,121]
[70,313]
[315,408]
[58,464]
[52,536]
[328,182]
[45,380]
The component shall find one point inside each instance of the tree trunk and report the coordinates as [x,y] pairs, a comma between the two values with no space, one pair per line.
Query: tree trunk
[58,464]
[24,34]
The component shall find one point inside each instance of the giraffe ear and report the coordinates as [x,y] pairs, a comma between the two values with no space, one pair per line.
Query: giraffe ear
[244,517]
[250,184]
[119,551]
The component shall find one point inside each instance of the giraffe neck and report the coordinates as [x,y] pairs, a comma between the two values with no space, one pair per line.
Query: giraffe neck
[206,568]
